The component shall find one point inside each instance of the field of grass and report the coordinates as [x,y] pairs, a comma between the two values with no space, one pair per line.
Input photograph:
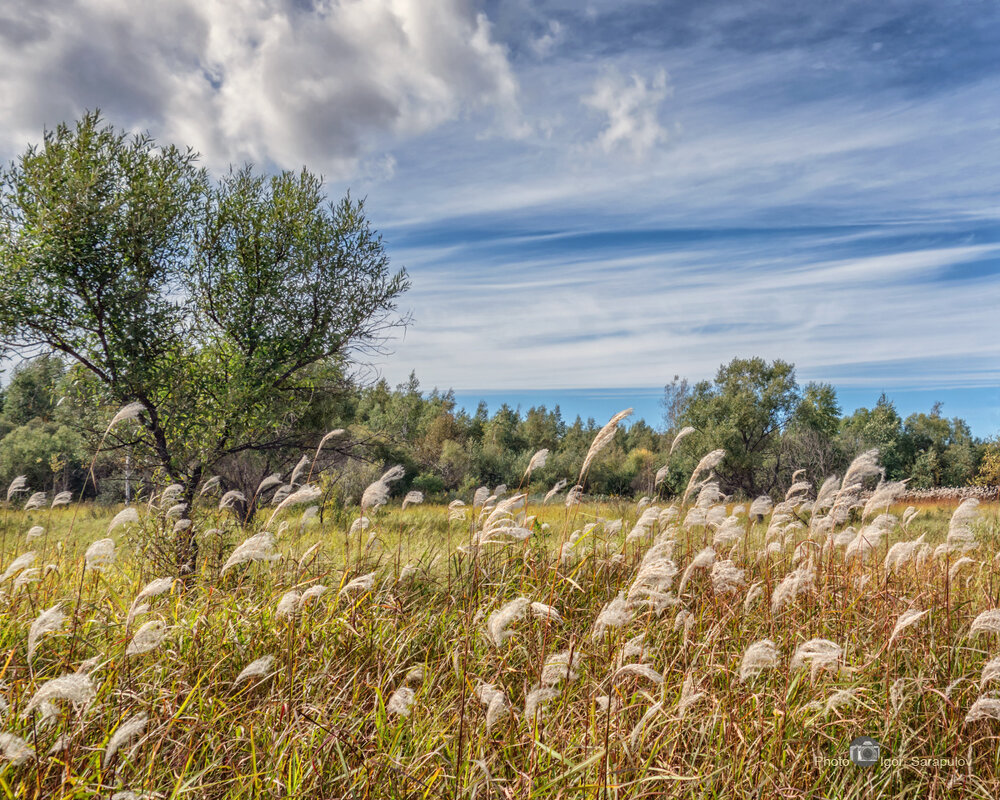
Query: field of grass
[417,671]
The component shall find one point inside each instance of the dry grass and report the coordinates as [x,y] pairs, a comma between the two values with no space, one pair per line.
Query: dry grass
[316,720]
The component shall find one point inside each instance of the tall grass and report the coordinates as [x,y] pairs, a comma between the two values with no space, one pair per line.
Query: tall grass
[505,648]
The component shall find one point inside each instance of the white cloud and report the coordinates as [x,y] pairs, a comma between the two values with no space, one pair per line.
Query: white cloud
[632,107]
[274,81]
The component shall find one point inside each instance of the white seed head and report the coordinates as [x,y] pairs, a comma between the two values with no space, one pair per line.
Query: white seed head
[124,734]
[48,621]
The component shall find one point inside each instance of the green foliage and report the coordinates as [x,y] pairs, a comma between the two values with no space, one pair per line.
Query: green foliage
[226,310]
[744,410]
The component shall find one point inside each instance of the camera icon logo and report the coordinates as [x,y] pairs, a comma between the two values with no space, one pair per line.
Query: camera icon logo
[865,751]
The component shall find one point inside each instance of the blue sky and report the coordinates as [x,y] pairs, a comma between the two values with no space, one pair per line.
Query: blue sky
[598,196]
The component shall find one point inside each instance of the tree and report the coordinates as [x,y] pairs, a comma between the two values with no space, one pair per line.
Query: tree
[222,308]
[744,410]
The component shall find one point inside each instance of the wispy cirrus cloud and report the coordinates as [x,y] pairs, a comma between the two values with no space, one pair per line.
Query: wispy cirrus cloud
[600,194]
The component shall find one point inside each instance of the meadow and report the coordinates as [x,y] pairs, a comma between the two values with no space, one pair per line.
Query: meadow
[503,646]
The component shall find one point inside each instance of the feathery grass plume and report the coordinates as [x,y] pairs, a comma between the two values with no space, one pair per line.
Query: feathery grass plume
[297,472]
[885,495]
[703,560]
[269,482]
[709,495]
[495,701]
[230,498]
[377,493]
[818,655]
[62,499]
[695,518]
[360,524]
[906,619]
[361,584]
[991,672]
[27,576]
[414,674]
[602,440]
[614,615]
[909,515]
[48,621]
[537,699]
[128,412]
[259,547]
[288,604]
[124,734]
[633,648]
[400,701]
[557,487]
[543,611]
[75,687]
[667,516]
[499,620]
[640,671]
[537,462]
[100,554]
[310,513]
[15,749]
[688,696]
[177,510]
[312,593]
[799,581]
[210,484]
[412,499]
[869,537]
[18,485]
[708,462]
[152,589]
[481,496]
[987,622]
[761,507]
[754,593]
[560,667]
[36,501]
[682,434]
[984,708]
[960,536]
[283,491]
[170,494]
[901,554]
[758,656]
[727,578]
[647,519]
[34,532]
[304,495]
[862,467]
[255,669]
[963,563]
[661,475]
[684,620]
[729,532]
[127,516]
[182,525]
[149,636]
[798,491]
[574,496]
[827,494]
[654,579]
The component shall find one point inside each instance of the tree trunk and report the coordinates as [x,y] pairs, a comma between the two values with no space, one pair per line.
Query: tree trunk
[186,544]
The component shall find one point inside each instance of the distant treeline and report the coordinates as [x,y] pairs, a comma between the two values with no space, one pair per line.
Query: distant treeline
[769,425]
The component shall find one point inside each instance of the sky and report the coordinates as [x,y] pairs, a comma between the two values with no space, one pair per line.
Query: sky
[591,198]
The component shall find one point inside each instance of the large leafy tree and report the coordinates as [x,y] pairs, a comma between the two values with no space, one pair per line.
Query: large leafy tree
[745,410]
[223,307]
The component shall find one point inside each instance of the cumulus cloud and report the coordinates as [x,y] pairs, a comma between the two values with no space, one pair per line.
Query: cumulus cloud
[278,82]
[632,106]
